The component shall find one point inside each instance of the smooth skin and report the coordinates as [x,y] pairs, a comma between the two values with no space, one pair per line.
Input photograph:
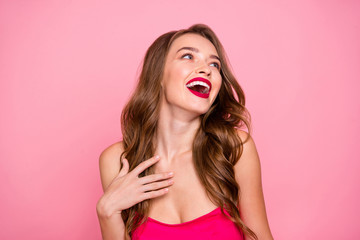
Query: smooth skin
[172,196]
[124,189]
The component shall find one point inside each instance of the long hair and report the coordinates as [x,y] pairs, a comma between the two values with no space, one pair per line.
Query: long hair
[216,146]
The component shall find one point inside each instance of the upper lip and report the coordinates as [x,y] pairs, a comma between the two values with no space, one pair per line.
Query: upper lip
[200,79]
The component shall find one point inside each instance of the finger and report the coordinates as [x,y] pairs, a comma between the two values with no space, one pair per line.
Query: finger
[157,185]
[154,194]
[156,177]
[125,168]
[144,165]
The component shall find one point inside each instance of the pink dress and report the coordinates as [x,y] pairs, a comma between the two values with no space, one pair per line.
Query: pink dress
[211,226]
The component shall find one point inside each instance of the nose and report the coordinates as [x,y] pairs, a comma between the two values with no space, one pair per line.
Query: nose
[203,69]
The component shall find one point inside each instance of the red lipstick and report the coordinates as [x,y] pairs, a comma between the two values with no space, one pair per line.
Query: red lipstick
[199,86]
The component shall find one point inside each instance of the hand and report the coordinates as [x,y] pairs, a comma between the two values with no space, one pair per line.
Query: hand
[127,189]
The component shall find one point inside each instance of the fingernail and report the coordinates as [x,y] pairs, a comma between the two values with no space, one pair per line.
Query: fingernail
[171,173]
[157,157]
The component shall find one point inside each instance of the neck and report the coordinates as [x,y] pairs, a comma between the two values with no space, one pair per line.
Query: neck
[175,132]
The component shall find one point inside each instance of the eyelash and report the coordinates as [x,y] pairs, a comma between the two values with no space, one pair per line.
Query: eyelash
[217,65]
[188,54]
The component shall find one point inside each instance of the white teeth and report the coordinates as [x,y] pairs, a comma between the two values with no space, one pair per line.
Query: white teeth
[198,83]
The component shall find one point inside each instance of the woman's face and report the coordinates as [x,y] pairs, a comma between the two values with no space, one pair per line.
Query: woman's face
[191,79]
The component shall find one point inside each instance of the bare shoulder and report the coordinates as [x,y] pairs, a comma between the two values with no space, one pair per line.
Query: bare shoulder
[111,153]
[109,163]
[248,166]
[251,199]
[249,148]
[247,169]
[243,135]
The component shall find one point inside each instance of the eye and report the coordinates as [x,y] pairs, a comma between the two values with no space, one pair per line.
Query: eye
[215,64]
[187,56]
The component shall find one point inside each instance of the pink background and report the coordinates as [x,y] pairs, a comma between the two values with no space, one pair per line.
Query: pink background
[68,67]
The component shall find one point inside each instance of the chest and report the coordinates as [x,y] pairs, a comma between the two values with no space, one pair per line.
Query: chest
[186,199]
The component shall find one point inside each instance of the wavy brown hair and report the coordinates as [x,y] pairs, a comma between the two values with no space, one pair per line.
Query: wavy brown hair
[216,146]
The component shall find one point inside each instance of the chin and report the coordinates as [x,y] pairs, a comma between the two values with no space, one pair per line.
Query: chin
[201,110]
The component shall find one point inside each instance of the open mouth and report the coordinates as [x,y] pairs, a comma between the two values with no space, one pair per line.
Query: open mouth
[200,87]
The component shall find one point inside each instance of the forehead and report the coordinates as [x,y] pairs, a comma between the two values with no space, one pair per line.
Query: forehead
[195,41]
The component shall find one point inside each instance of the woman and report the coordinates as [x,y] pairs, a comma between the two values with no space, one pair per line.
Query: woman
[184,158]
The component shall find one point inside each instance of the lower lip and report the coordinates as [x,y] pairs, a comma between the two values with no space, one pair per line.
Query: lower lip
[202,95]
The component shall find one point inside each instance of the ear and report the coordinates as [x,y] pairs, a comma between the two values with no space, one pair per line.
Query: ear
[162,82]
[163,75]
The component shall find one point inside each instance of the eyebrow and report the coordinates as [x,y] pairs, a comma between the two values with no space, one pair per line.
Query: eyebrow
[197,50]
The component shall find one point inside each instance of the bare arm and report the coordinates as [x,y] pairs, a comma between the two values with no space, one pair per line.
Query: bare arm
[112,227]
[123,189]
[252,204]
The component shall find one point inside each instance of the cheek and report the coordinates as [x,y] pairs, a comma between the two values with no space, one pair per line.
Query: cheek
[176,77]
[173,81]
[217,82]
[179,72]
